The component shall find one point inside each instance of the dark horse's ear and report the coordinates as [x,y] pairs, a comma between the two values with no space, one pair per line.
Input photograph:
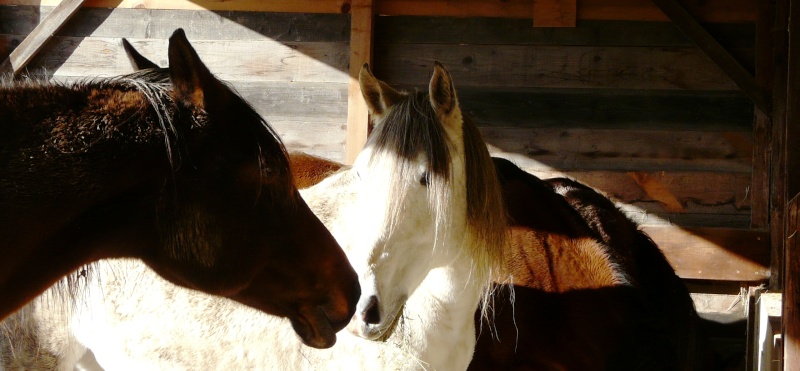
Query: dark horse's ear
[441,90]
[193,82]
[138,61]
[378,94]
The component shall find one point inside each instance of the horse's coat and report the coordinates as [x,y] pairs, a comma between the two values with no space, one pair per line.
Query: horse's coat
[170,166]
[609,302]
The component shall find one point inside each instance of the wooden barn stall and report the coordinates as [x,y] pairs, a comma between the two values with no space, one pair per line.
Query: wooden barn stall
[681,111]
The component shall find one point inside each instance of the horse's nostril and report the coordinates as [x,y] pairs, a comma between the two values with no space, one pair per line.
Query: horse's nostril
[372,314]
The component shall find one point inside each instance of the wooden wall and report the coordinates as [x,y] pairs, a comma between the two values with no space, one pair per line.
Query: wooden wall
[623,102]
[631,108]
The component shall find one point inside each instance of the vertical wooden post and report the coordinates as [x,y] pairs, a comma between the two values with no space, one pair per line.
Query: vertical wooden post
[791,267]
[778,195]
[361,22]
[28,48]
[762,125]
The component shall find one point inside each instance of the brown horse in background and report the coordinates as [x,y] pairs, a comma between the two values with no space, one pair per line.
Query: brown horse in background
[591,291]
[172,167]
[610,302]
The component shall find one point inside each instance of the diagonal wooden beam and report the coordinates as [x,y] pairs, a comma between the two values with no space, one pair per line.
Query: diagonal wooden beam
[31,45]
[723,59]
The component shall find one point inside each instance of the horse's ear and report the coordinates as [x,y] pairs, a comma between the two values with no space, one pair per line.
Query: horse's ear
[441,90]
[191,79]
[138,61]
[378,94]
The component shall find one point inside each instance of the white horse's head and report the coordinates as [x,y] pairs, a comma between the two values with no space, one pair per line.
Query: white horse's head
[425,194]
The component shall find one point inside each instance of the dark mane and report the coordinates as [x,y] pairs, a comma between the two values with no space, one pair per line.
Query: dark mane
[411,127]
[90,118]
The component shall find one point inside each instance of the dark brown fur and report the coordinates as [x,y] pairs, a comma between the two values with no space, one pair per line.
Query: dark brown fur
[559,323]
[180,172]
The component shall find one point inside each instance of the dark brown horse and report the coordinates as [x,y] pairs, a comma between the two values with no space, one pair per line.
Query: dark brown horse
[591,291]
[170,166]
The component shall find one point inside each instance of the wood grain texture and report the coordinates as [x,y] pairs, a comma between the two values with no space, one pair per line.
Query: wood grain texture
[791,262]
[512,66]
[39,36]
[703,199]
[791,290]
[293,6]
[255,60]
[607,109]
[715,253]
[625,150]
[779,145]
[554,13]
[488,31]
[643,10]
[198,25]
[762,125]
[721,57]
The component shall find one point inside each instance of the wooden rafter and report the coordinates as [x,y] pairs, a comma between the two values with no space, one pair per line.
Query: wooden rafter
[31,45]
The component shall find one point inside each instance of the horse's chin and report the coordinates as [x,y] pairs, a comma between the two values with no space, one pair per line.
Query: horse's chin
[374,332]
[314,328]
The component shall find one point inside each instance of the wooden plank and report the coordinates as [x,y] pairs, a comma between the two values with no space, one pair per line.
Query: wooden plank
[483,31]
[256,60]
[513,66]
[607,109]
[554,13]
[644,10]
[738,11]
[778,196]
[664,198]
[291,6]
[40,35]
[360,54]
[198,25]
[762,125]
[715,253]
[734,11]
[726,62]
[625,150]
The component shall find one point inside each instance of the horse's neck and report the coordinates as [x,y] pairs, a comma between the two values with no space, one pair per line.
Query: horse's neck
[438,319]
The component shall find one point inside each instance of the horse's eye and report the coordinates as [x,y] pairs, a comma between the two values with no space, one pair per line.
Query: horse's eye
[424,179]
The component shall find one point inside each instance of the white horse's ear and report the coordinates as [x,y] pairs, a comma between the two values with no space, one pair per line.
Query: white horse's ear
[378,94]
[441,90]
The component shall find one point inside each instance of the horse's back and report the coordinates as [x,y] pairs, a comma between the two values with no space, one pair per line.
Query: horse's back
[645,322]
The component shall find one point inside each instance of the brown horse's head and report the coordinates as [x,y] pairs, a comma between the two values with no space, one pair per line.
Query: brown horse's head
[229,217]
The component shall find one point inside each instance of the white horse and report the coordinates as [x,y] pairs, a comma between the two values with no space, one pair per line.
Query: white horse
[420,216]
